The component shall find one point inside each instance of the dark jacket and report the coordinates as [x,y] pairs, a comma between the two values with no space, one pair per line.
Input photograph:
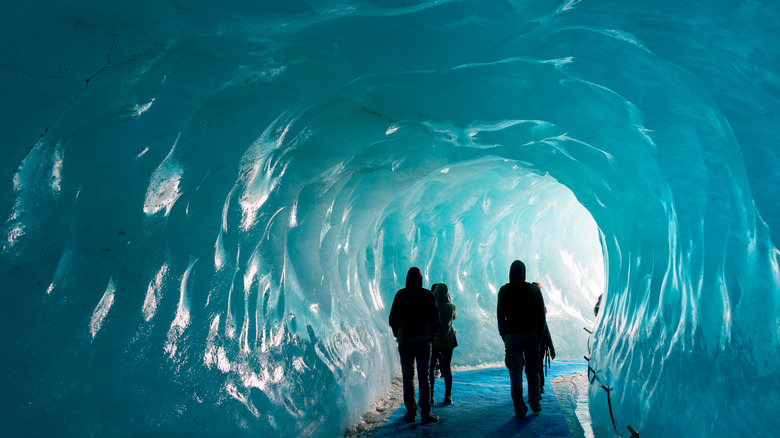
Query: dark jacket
[414,315]
[520,306]
[446,339]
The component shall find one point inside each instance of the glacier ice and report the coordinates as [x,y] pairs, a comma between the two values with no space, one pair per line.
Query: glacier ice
[209,205]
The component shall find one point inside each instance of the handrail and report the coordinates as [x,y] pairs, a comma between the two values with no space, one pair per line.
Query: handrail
[634,434]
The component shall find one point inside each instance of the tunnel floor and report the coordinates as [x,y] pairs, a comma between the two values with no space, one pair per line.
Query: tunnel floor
[483,407]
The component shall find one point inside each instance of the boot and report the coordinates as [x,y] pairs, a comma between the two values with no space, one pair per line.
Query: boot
[430,418]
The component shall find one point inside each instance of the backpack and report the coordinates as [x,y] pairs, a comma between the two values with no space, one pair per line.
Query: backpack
[520,303]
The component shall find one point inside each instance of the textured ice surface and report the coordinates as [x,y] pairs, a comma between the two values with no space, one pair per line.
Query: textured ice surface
[209,205]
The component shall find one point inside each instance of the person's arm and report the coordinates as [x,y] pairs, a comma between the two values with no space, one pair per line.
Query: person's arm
[549,340]
[540,311]
[395,317]
[434,317]
[500,312]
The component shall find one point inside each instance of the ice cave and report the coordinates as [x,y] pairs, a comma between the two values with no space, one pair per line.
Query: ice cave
[208,206]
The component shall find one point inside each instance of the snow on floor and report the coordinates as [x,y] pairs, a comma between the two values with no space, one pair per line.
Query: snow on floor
[571,391]
[379,412]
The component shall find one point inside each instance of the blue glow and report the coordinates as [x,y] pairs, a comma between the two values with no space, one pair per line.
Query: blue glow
[210,205]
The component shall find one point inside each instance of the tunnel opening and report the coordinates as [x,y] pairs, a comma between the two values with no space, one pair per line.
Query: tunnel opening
[465,223]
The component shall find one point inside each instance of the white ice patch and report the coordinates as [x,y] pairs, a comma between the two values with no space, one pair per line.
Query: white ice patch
[101,310]
[182,320]
[154,293]
[36,183]
[56,169]
[559,62]
[232,390]
[376,296]
[571,4]
[627,37]
[260,173]
[223,363]
[219,252]
[139,109]
[163,190]
[326,223]
[215,355]
[16,232]
[251,272]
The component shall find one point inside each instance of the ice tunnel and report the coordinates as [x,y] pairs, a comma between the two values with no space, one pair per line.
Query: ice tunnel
[210,205]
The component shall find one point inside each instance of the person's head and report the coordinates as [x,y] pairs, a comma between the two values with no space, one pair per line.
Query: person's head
[441,292]
[414,278]
[517,272]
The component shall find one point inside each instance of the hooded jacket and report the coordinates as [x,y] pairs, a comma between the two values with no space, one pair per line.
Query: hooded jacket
[445,340]
[520,306]
[414,315]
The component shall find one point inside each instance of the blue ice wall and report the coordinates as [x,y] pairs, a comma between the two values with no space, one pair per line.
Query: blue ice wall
[209,206]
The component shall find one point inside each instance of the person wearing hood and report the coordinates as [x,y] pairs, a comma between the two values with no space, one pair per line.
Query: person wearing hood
[414,318]
[521,321]
[445,341]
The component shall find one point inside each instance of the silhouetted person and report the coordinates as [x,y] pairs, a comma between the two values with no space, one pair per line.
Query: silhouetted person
[445,341]
[414,318]
[521,320]
[546,348]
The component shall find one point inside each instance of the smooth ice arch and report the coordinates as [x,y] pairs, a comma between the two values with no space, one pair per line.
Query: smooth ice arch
[211,205]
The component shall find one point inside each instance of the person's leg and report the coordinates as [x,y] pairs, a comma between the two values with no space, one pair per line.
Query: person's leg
[407,371]
[435,358]
[514,363]
[531,354]
[423,354]
[423,362]
[541,372]
[445,360]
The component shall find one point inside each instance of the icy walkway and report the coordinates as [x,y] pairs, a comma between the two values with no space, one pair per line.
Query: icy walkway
[483,407]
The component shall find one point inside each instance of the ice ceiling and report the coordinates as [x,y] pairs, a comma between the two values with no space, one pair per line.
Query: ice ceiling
[211,204]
